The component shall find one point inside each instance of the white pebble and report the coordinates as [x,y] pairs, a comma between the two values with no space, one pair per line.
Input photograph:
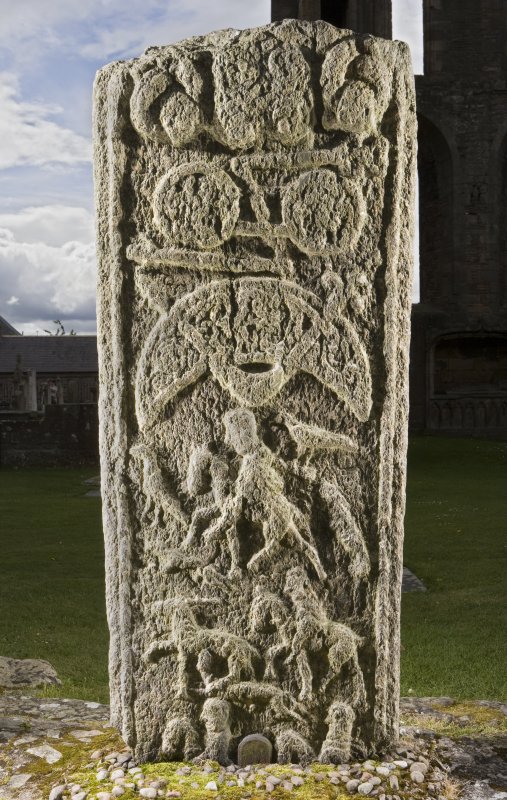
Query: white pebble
[102,774]
[417,776]
[273,779]
[365,788]
[103,795]
[57,792]
[80,796]
[118,791]
[117,773]
[382,771]
[418,766]
[297,781]
[149,793]
[401,764]
[352,785]
[394,783]
[212,786]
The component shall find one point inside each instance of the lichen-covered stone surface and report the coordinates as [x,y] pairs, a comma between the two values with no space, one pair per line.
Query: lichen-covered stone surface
[254,193]
[18,672]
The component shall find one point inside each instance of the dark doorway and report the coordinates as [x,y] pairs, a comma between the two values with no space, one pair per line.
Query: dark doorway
[335,12]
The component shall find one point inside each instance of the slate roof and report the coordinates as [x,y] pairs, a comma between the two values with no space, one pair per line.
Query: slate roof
[54,354]
[6,329]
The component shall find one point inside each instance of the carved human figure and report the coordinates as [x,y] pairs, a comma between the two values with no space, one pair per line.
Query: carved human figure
[259,487]
[336,746]
[269,612]
[215,715]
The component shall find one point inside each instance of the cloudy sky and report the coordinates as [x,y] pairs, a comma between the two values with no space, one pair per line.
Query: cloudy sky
[49,53]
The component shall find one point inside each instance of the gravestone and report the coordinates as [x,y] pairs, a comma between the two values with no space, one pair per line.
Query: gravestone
[254,749]
[254,194]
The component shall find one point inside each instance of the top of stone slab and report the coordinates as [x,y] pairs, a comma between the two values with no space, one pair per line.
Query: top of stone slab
[172,103]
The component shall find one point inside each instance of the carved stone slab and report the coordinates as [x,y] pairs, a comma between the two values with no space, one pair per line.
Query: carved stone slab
[254,195]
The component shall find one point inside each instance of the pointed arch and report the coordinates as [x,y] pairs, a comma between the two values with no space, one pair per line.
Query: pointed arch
[436,204]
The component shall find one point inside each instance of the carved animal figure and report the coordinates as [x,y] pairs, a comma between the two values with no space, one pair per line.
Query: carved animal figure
[314,632]
[309,440]
[189,640]
[160,496]
[346,530]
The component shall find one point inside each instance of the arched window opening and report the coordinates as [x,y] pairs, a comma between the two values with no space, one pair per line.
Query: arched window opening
[435,214]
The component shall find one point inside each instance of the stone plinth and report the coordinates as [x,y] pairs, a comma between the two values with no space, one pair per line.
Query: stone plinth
[254,194]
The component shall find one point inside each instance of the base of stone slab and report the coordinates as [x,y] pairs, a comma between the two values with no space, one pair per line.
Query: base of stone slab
[58,749]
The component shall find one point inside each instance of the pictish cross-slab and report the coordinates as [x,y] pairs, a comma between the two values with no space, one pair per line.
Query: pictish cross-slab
[254,195]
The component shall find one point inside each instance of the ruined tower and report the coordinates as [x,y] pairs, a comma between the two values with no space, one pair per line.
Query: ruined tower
[458,379]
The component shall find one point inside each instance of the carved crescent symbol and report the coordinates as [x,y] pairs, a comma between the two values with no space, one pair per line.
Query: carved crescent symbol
[253,335]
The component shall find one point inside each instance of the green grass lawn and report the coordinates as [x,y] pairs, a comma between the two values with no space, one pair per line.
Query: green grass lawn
[52,576]
[453,636]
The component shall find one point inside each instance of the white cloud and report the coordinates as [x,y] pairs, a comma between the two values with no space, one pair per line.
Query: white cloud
[52,224]
[103,28]
[129,33]
[35,20]
[49,280]
[29,137]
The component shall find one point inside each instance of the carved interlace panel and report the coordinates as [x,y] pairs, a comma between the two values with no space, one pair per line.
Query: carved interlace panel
[254,204]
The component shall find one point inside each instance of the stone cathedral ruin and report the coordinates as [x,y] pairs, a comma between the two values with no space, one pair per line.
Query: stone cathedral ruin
[254,194]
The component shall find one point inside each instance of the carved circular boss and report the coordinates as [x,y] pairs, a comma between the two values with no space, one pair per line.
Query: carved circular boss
[199,205]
